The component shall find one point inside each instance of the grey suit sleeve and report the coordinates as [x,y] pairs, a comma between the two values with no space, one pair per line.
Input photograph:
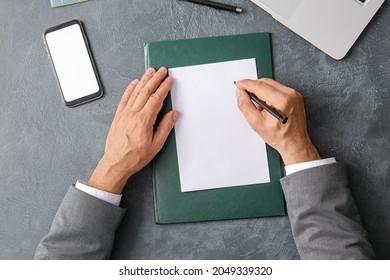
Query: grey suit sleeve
[83,228]
[323,215]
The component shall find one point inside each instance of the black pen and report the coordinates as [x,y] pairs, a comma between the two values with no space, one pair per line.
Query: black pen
[217,5]
[269,109]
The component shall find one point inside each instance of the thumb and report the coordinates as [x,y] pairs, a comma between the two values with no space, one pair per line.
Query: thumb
[163,129]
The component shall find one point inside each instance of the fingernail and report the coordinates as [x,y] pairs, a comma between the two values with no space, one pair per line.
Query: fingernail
[150,71]
[161,70]
[175,116]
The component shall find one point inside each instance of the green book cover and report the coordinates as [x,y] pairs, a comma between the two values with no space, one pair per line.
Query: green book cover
[170,204]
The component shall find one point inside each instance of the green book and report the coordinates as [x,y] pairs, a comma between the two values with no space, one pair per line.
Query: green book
[171,205]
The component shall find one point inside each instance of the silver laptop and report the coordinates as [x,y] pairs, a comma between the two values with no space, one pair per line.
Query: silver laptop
[333,26]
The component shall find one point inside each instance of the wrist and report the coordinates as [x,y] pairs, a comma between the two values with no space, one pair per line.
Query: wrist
[109,177]
[299,154]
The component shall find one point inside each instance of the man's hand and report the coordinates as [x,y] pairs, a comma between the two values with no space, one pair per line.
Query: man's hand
[291,140]
[132,141]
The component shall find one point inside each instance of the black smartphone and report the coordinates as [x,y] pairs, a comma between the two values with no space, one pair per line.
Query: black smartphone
[75,69]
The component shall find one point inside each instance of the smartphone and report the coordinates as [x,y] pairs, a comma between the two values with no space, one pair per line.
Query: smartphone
[75,69]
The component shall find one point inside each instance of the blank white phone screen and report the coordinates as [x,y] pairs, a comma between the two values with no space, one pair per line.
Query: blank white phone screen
[72,63]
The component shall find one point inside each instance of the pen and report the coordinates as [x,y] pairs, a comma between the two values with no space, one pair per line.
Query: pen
[269,109]
[217,5]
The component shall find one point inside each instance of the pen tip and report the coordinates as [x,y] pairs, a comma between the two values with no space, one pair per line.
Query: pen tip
[234,82]
[239,10]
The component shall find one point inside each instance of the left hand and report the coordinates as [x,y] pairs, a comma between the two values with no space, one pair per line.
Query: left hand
[132,141]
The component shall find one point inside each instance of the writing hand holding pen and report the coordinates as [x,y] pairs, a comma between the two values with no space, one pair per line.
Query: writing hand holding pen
[290,139]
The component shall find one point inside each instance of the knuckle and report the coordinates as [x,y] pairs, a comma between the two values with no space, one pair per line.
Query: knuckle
[170,124]
[123,101]
[294,94]
[163,134]
[263,80]
[159,93]
[155,98]
[146,90]
[299,96]
[284,102]
[260,85]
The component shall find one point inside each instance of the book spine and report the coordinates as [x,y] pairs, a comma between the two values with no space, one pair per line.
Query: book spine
[157,218]
[154,178]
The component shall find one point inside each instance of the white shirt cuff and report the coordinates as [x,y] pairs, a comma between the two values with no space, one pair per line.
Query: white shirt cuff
[290,169]
[103,195]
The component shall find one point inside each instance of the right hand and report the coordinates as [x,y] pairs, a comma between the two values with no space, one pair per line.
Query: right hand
[291,139]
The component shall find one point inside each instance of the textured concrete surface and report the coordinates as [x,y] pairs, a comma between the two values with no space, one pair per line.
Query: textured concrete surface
[45,147]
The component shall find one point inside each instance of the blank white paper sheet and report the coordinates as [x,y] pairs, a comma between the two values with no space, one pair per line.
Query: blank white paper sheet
[216,147]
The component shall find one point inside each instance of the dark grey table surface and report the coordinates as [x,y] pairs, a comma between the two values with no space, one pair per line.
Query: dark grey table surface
[45,146]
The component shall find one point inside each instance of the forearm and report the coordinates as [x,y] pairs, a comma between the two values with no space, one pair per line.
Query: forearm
[83,228]
[323,215]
